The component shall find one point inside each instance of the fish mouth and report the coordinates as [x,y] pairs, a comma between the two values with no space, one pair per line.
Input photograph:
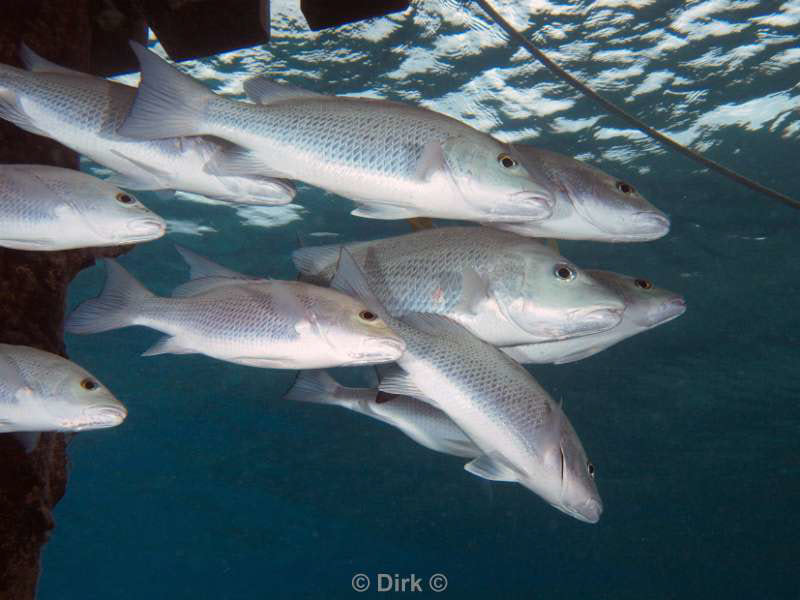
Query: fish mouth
[520,207]
[378,351]
[588,512]
[146,229]
[640,227]
[672,309]
[595,321]
[99,417]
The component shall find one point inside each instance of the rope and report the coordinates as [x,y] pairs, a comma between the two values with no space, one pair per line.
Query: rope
[614,109]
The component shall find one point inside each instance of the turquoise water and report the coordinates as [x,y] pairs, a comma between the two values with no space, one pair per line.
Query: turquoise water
[216,488]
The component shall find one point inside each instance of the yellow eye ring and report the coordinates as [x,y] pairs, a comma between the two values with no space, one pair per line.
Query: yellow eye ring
[367,315]
[89,384]
[505,160]
[123,198]
[643,283]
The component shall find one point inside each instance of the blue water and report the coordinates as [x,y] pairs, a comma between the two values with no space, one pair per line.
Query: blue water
[216,488]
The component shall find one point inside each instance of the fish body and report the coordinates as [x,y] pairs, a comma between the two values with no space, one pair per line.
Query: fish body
[260,323]
[523,435]
[588,203]
[423,423]
[396,161]
[40,391]
[645,307]
[505,289]
[83,112]
[50,208]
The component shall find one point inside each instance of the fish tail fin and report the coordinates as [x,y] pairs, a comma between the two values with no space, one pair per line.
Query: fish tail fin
[114,308]
[168,103]
[315,386]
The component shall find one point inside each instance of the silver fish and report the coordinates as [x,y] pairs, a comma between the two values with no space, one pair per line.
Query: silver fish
[426,425]
[260,323]
[523,434]
[589,204]
[50,208]
[83,112]
[645,307]
[396,161]
[505,289]
[40,391]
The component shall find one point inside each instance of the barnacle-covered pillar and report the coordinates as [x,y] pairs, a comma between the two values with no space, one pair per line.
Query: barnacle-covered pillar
[33,289]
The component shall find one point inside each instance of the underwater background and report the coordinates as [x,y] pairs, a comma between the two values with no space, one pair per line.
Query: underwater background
[217,488]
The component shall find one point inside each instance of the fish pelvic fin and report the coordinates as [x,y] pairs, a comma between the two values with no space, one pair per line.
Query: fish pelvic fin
[114,308]
[315,386]
[168,103]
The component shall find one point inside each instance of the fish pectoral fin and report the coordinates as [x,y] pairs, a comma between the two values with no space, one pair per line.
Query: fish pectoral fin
[431,161]
[28,439]
[491,467]
[169,344]
[10,110]
[151,177]
[474,292]
[200,266]
[384,211]
[263,90]
[400,384]
[240,161]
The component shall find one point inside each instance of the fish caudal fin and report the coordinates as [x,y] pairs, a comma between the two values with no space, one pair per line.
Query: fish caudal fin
[314,386]
[114,308]
[168,103]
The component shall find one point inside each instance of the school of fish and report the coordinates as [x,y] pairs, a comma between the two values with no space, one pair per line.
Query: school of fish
[443,318]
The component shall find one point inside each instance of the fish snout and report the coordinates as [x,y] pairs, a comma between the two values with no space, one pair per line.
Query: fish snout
[101,417]
[596,320]
[149,228]
[671,309]
[379,349]
[589,511]
[648,225]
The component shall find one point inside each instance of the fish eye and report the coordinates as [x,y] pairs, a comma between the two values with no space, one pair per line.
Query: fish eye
[89,384]
[123,198]
[590,469]
[505,160]
[625,188]
[643,283]
[564,272]
[366,315]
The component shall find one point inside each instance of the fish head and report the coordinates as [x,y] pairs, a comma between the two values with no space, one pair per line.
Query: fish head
[80,402]
[549,297]
[361,335]
[117,217]
[602,207]
[560,472]
[491,179]
[646,306]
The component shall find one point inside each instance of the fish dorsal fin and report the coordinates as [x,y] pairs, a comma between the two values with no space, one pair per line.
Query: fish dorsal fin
[313,260]
[195,287]
[199,266]
[37,64]
[401,384]
[492,467]
[263,90]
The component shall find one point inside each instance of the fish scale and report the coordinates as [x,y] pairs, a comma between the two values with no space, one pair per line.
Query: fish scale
[84,112]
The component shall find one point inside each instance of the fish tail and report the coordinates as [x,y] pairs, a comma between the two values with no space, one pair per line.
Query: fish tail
[314,386]
[114,308]
[168,103]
